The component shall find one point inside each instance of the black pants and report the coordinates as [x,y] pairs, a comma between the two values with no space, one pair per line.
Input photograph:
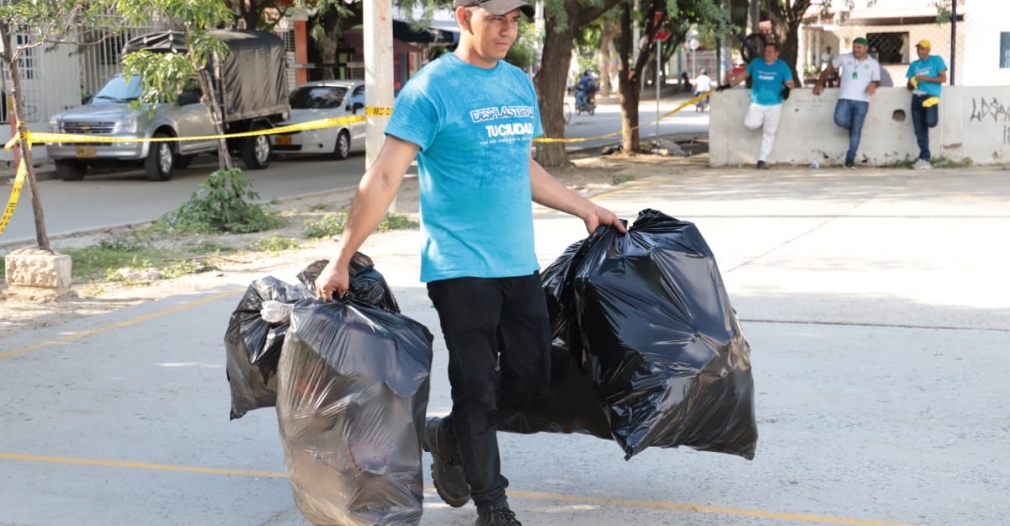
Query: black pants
[497,332]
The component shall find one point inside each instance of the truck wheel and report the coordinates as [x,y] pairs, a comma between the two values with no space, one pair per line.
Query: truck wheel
[342,148]
[70,170]
[160,161]
[257,151]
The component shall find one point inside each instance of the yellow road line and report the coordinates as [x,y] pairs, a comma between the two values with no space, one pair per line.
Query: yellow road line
[701,508]
[89,332]
[140,465]
[533,495]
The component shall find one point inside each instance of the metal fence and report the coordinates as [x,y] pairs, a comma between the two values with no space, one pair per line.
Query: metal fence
[59,77]
[972,37]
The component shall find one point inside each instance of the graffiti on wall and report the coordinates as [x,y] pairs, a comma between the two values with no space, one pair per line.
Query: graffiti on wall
[984,109]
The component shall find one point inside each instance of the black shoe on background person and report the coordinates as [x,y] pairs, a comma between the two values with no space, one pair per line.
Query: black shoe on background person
[762,165]
[447,468]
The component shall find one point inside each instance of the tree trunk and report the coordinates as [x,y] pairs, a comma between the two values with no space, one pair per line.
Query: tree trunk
[9,57]
[553,80]
[216,118]
[556,58]
[609,32]
[786,19]
[629,87]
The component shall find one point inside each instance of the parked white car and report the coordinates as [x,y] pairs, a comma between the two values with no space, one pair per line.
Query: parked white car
[324,99]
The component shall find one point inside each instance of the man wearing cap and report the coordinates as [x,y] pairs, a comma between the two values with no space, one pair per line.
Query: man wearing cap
[772,81]
[469,118]
[860,78]
[925,78]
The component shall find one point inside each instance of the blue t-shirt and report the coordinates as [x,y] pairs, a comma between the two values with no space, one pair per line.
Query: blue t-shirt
[766,90]
[930,67]
[474,127]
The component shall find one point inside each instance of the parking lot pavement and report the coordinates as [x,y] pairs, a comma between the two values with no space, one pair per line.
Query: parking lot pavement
[875,303]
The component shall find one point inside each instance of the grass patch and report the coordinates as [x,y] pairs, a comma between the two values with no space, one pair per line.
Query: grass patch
[320,207]
[937,162]
[907,162]
[184,268]
[943,162]
[275,243]
[99,262]
[397,222]
[621,179]
[327,226]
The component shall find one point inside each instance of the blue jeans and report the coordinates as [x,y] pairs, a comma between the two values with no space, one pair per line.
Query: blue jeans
[498,334]
[923,119]
[850,114]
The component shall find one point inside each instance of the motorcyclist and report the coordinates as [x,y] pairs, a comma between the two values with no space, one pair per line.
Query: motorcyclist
[586,87]
[702,83]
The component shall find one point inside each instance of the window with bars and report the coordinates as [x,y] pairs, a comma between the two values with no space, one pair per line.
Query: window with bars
[27,62]
[889,48]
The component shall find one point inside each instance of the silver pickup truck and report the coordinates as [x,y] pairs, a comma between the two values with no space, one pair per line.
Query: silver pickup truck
[251,87]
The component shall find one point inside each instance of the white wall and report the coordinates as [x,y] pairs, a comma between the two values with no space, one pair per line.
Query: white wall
[981,28]
[974,123]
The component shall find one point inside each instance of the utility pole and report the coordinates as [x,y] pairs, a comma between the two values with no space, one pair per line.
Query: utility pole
[378,33]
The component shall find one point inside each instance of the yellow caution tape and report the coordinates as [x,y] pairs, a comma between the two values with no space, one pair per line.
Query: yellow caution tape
[12,203]
[69,138]
[621,132]
[375,111]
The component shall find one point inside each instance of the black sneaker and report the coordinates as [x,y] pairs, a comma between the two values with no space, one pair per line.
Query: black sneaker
[447,470]
[849,165]
[762,165]
[497,516]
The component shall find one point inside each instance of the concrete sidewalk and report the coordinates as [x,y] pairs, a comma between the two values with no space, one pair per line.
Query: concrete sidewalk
[875,302]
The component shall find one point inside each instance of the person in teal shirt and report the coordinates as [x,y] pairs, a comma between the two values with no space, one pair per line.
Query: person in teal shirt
[772,81]
[469,118]
[926,77]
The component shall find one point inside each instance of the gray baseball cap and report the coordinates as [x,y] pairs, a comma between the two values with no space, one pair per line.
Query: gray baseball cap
[498,7]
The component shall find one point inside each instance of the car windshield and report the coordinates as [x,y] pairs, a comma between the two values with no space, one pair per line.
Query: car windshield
[317,97]
[118,91]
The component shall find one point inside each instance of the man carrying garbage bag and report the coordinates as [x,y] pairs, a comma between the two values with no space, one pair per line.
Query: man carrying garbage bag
[469,118]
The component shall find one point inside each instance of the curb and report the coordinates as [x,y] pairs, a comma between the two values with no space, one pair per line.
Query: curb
[43,172]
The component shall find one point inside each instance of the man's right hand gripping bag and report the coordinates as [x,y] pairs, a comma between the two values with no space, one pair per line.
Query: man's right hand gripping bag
[656,327]
[352,391]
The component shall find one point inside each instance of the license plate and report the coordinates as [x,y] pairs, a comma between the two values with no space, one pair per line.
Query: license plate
[283,140]
[85,151]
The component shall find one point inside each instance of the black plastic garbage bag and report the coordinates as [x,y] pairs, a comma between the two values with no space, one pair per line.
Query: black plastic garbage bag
[645,317]
[253,345]
[353,386]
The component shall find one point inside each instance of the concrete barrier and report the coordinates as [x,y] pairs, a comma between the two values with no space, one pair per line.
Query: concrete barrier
[974,124]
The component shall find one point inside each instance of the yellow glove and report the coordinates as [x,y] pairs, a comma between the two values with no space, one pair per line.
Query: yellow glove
[913,82]
[930,102]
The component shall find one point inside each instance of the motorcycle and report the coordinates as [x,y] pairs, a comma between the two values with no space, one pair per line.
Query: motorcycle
[702,103]
[585,103]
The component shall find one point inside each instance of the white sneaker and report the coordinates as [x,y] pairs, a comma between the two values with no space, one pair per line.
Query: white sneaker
[922,165]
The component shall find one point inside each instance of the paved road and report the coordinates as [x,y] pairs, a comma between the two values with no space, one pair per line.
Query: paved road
[128,197]
[607,121]
[876,303]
